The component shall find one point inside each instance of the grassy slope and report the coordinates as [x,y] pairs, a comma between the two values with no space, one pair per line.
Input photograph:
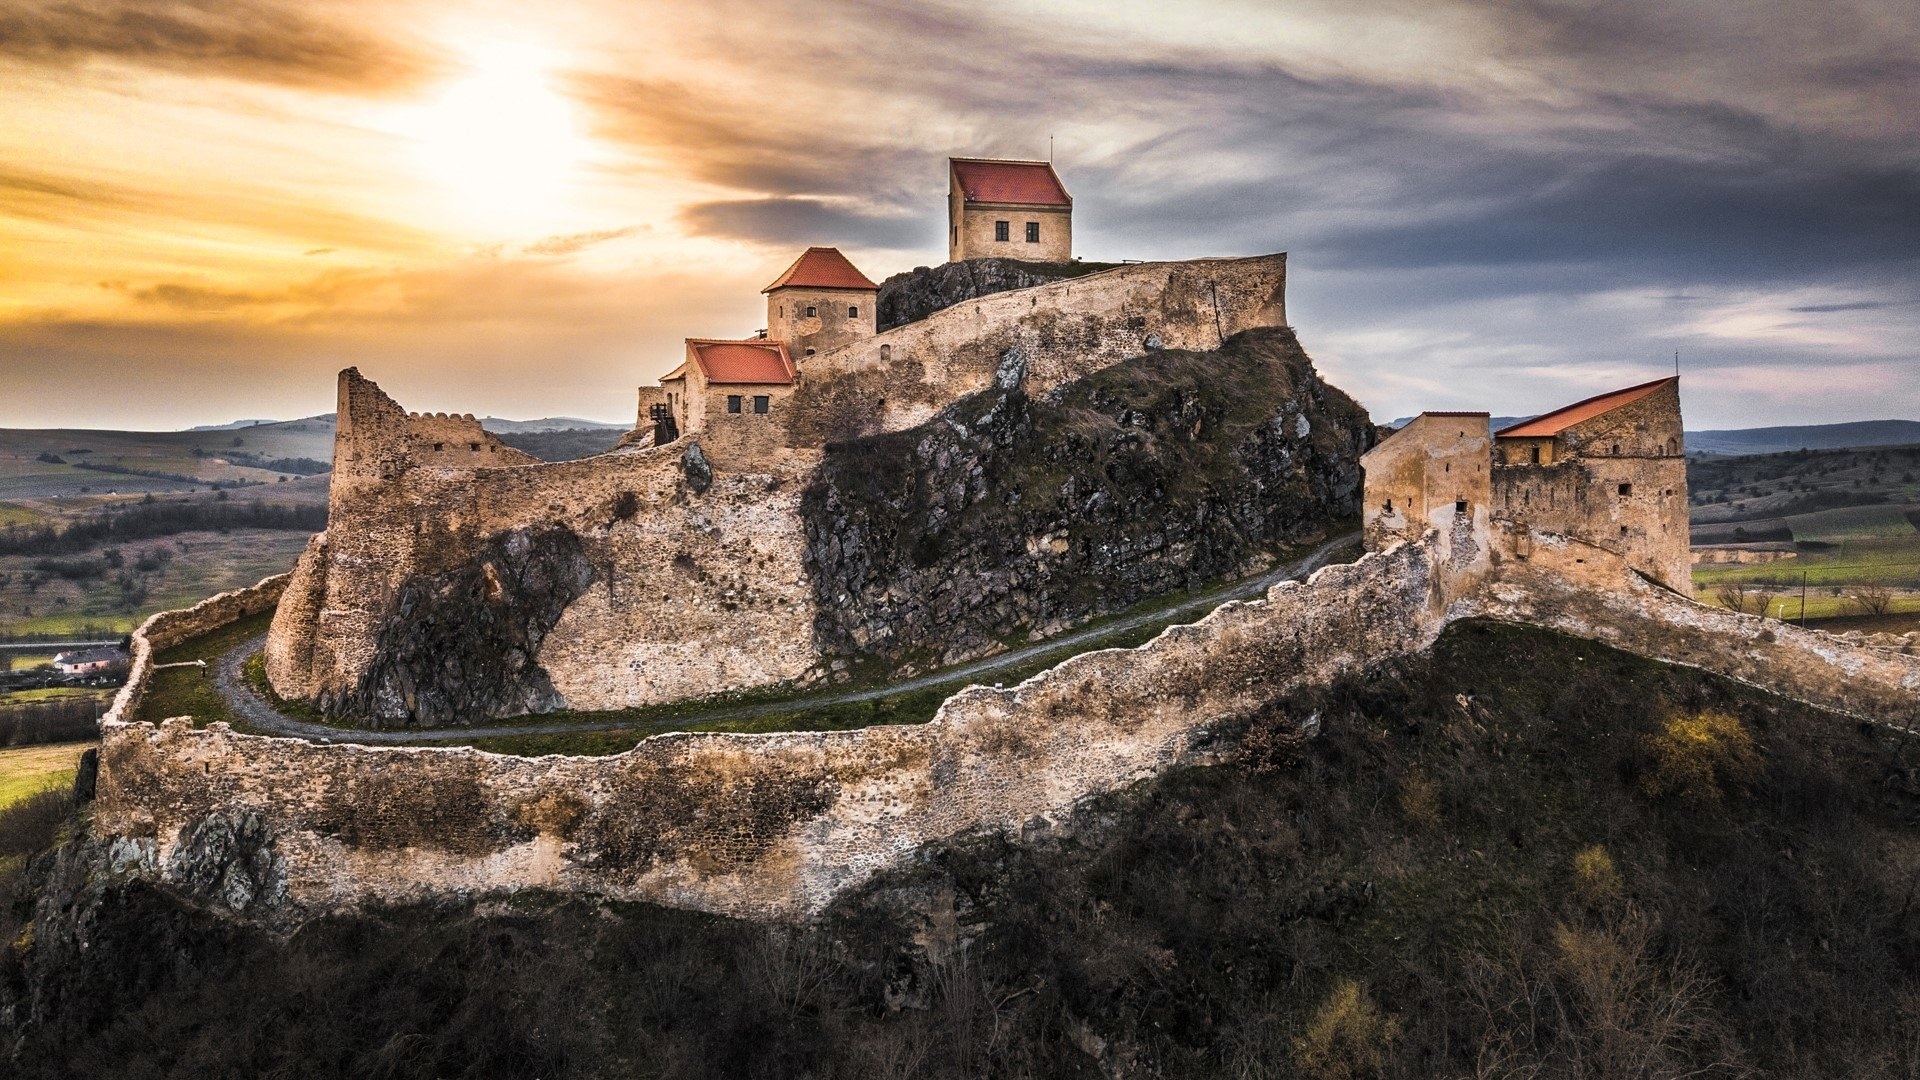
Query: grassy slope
[1473,843]
[28,769]
[203,563]
[190,691]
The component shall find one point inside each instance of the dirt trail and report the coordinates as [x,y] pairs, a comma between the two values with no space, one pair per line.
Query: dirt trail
[230,674]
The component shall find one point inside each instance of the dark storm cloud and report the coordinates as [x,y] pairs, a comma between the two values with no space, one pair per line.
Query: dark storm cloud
[808,221]
[277,41]
[1858,305]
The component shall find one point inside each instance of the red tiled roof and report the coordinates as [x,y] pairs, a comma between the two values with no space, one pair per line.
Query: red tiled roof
[822,268]
[1559,420]
[756,361]
[1033,183]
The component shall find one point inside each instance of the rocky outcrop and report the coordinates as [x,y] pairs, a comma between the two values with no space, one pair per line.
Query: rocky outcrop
[460,645]
[917,293]
[1010,517]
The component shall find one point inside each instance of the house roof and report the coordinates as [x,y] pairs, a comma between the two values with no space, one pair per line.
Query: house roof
[1428,412]
[1032,183]
[822,268]
[756,361]
[1559,420]
[90,656]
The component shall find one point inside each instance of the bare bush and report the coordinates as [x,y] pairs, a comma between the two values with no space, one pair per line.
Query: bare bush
[1871,597]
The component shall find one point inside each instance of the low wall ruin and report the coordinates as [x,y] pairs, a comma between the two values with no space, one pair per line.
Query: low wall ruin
[776,826]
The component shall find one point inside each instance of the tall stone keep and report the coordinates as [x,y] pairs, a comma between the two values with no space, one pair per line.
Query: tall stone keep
[1007,210]
[822,302]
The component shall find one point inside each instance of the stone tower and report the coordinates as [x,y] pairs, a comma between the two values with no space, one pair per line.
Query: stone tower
[822,302]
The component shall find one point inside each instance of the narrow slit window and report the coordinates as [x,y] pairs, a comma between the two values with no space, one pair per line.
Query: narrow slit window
[733,403]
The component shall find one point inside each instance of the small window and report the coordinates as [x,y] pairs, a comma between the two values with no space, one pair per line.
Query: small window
[439,446]
[1616,449]
[886,353]
[810,312]
[1459,506]
[1388,507]
[783,311]
[1033,232]
[809,352]
[853,312]
[760,403]
[1626,489]
[1536,455]
[733,403]
[474,446]
[1623,530]
[1001,230]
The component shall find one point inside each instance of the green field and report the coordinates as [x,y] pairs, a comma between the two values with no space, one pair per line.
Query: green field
[190,691]
[196,565]
[25,770]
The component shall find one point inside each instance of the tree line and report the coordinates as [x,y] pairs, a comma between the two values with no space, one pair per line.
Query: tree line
[150,519]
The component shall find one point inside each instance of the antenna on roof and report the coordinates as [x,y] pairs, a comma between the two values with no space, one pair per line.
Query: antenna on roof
[1049,149]
[1676,363]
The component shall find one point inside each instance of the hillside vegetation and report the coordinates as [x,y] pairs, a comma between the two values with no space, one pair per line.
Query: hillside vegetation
[1520,855]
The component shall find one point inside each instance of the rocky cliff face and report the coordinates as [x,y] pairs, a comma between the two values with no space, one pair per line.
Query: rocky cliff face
[461,644]
[918,293]
[1009,517]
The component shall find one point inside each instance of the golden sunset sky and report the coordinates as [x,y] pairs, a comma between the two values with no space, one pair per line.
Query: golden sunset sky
[207,208]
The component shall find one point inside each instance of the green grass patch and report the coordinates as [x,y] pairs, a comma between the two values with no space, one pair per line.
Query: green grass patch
[1854,523]
[16,514]
[25,770]
[191,691]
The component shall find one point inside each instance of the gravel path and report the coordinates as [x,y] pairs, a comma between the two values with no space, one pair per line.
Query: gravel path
[230,674]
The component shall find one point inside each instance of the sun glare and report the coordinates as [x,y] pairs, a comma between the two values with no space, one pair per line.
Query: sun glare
[502,142]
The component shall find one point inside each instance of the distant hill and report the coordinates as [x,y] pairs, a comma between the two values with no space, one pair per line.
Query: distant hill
[492,423]
[1778,440]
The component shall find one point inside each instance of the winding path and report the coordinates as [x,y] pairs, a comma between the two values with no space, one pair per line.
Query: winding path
[230,674]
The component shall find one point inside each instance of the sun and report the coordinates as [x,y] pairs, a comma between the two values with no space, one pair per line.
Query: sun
[499,139]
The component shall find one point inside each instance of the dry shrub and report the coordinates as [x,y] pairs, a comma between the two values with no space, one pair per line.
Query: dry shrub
[1697,756]
[1273,742]
[28,826]
[1595,879]
[1420,799]
[1348,1036]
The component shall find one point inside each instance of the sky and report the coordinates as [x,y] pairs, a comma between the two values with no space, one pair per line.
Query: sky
[209,207]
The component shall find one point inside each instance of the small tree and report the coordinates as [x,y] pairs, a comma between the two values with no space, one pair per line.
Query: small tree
[1872,597]
[1735,596]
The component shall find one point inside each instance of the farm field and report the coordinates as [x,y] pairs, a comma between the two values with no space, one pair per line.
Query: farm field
[25,770]
[84,595]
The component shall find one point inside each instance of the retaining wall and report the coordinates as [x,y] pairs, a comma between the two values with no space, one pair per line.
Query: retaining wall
[166,629]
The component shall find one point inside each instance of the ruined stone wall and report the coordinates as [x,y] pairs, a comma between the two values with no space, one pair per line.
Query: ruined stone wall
[1633,506]
[756,825]
[1417,477]
[434,583]
[1056,333]
[774,826]
[165,629]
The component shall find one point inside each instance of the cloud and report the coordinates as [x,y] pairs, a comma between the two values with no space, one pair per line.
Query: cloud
[574,243]
[795,221]
[1858,305]
[288,42]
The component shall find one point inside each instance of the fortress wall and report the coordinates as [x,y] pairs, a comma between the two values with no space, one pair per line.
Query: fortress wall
[692,592]
[1057,332]
[1578,589]
[163,630]
[775,826]
[765,826]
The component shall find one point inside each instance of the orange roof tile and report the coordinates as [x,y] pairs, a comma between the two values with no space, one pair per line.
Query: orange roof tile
[822,268]
[756,361]
[1559,420]
[1033,183]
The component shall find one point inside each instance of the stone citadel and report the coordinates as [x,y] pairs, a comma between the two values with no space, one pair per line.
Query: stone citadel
[678,566]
